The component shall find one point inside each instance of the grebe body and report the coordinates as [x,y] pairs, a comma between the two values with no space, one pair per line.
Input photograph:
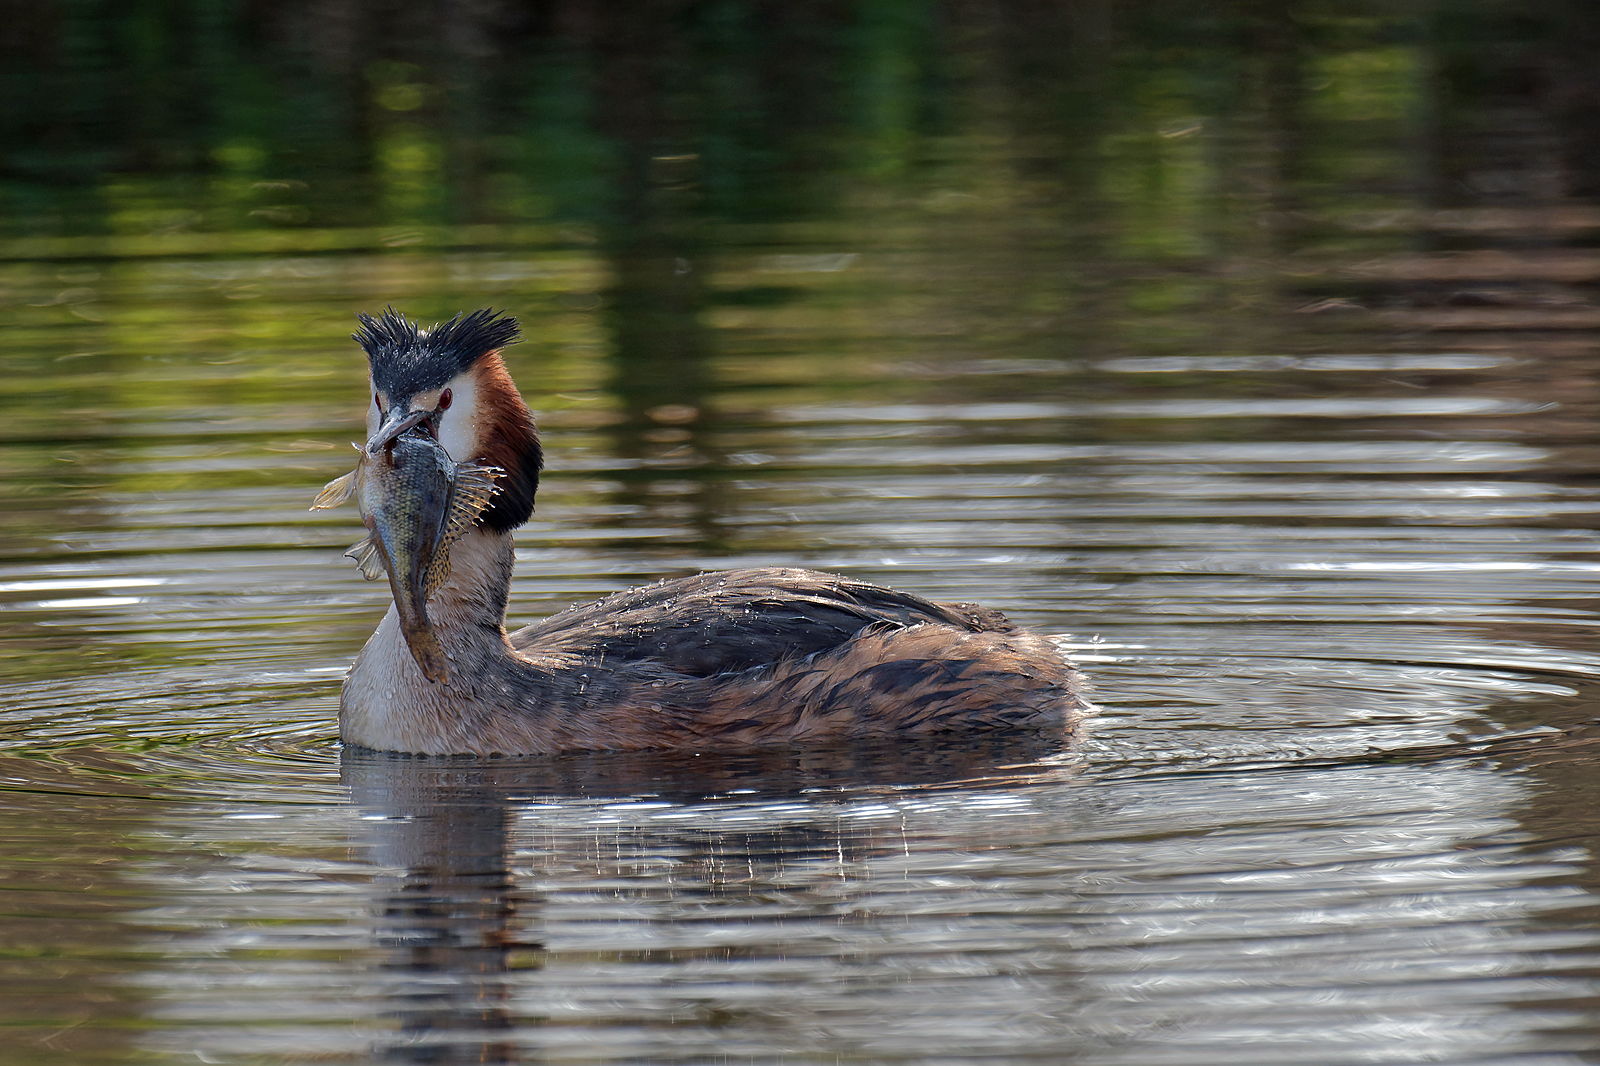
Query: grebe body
[717,661]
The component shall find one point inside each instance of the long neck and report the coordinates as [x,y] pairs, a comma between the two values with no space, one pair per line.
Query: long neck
[494,697]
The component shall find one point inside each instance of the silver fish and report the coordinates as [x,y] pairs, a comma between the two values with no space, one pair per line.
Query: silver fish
[417,502]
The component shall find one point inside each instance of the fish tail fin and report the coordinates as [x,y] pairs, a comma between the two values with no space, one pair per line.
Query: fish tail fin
[427,650]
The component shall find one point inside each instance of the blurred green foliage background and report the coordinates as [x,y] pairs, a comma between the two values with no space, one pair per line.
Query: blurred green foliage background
[140,117]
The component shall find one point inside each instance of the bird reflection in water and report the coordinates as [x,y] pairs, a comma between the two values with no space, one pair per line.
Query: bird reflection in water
[453,928]
[445,913]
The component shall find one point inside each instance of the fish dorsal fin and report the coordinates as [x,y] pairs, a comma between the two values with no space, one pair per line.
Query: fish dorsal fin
[369,560]
[474,487]
[471,489]
[335,492]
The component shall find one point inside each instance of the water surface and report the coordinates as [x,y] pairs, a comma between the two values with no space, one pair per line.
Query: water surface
[1298,463]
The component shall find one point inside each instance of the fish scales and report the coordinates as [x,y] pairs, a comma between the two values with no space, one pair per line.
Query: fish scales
[416,502]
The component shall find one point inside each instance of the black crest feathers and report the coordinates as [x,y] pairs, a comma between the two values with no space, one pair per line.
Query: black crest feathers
[407,359]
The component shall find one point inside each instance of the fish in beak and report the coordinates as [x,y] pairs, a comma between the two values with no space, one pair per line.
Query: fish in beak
[416,502]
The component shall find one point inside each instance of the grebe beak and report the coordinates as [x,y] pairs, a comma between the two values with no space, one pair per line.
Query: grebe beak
[397,423]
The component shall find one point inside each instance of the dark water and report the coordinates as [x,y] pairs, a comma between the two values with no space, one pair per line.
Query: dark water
[1254,356]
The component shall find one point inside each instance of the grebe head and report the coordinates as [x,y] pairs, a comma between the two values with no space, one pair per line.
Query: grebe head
[449,383]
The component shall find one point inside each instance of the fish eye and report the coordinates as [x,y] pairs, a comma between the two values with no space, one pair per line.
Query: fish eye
[444,400]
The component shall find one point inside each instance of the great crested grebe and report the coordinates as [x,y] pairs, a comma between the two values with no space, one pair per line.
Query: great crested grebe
[714,662]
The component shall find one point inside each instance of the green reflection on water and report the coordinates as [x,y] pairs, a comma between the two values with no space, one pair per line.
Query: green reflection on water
[701,213]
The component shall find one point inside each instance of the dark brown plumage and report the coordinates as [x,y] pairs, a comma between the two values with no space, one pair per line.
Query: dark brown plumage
[766,655]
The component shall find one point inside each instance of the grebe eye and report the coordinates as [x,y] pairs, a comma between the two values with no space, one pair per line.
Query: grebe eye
[444,400]
[376,404]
